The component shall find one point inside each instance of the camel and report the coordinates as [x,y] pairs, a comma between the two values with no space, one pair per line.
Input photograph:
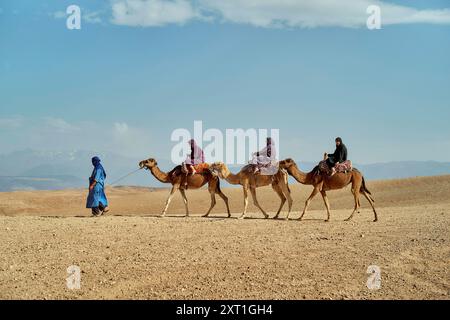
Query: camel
[323,183]
[193,182]
[248,180]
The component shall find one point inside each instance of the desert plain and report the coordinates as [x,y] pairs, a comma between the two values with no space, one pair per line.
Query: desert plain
[131,253]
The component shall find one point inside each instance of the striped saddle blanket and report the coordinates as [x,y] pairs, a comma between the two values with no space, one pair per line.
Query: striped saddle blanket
[345,166]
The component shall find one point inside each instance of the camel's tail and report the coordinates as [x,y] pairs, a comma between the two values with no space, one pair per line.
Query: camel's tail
[364,188]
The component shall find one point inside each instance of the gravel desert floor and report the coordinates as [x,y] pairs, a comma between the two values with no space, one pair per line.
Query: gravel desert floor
[132,254]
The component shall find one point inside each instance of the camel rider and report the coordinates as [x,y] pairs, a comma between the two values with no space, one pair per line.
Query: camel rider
[97,199]
[194,158]
[339,155]
[264,161]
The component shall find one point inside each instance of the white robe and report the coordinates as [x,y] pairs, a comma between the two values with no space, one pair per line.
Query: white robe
[268,165]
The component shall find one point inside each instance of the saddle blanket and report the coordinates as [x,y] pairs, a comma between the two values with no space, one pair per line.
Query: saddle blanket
[268,169]
[345,166]
[199,168]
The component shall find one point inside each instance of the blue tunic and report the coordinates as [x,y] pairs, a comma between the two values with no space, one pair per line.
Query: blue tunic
[97,195]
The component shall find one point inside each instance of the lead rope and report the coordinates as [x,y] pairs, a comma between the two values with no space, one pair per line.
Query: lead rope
[126,176]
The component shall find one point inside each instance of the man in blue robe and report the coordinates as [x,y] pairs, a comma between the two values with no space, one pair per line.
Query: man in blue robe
[97,199]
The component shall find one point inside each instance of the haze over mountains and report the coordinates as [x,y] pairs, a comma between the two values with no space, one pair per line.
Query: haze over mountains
[52,170]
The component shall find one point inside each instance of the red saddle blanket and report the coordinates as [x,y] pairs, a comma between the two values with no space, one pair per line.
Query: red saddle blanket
[202,167]
[345,166]
[199,168]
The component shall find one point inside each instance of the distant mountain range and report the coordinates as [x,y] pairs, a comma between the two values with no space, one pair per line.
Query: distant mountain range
[52,170]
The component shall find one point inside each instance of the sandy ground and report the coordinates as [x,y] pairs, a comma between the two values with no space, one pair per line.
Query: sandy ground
[132,254]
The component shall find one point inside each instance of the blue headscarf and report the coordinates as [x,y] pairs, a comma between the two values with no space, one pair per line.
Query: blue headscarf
[97,165]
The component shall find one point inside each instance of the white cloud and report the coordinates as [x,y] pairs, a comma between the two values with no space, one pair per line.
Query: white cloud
[92,17]
[152,13]
[270,13]
[318,13]
[51,133]
[11,122]
[86,16]
[121,128]
[128,140]
[60,125]
[58,14]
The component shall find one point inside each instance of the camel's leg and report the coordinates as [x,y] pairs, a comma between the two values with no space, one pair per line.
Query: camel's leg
[185,200]
[277,189]
[225,199]
[256,203]
[174,188]
[308,201]
[245,189]
[213,202]
[357,202]
[372,204]
[327,204]
[287,194]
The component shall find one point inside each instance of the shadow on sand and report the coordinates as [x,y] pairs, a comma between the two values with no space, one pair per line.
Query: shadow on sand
[210,218]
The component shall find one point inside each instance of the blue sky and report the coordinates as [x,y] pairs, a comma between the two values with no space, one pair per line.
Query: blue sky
[126,80]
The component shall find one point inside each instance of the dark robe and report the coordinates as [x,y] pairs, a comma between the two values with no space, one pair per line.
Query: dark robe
[339,156]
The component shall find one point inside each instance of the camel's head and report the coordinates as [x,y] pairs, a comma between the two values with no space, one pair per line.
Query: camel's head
[287,163]
[218,168]
[148,164]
